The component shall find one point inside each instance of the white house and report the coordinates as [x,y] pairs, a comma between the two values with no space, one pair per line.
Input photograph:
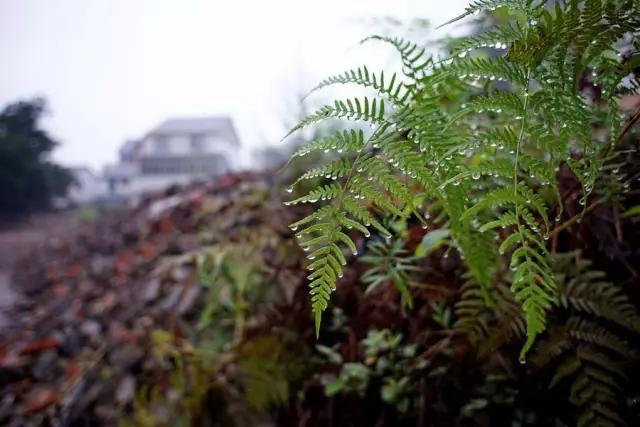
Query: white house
[177,151]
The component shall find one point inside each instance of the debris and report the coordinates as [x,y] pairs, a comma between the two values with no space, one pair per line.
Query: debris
[39,398]
[80,337]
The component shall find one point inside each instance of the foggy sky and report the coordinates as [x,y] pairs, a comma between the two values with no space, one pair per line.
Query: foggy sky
[113,69]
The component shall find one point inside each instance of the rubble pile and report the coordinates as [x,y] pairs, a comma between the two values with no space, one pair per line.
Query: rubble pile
[78,341]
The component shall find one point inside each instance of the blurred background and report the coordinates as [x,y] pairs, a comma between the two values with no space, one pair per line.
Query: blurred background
[113,71]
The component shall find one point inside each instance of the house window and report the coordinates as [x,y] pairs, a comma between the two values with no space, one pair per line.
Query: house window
[198,143]
[161,145]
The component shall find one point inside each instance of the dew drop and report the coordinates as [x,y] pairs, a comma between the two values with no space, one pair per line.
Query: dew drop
[425,226]
[522,361]
[475,175]
[290,190]
[462,54]
[293,227]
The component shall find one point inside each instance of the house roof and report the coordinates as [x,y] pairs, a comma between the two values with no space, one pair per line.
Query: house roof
[219,125]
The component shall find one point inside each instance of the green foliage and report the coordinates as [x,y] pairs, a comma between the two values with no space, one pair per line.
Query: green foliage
[390,263]
[28,181]
[88,214]
[232,277]
[482,136]
[188,380]
[587,348]
[384,360]
[268,368]
[431,241]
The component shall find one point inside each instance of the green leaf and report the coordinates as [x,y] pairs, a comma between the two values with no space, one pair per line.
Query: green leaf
[631,212]
[431,241]
[334,387]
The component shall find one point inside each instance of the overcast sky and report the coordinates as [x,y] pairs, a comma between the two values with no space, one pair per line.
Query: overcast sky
[113,69]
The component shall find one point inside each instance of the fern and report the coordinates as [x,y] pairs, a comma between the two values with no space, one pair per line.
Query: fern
[390,263]
[587,351]
[395,91]
[482,137]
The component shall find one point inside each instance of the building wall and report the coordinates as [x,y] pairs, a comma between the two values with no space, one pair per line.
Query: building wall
[184,147]
[184,144]
[205,165]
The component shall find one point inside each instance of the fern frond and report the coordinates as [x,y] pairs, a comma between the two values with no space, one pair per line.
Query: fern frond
[324,241]
[362,214]
[354,110]
[341,141]
[393,89]
[361,188]
[497,38]
[585,291]
[498,102]
[323,192]
[591,333]
[389,263]
[334,170]
[477,6]
[413,56]
[489,69]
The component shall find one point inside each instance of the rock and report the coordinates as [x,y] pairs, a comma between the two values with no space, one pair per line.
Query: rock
[126,389]
[91,328]
[189,297]
[46,366]
[172,300]
[126,356]
[35,347]
[79,346]
[39,398]
[151,290]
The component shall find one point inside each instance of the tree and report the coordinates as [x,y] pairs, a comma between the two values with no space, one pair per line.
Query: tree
[28,179]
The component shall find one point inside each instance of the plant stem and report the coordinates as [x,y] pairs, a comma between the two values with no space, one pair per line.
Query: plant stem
[574,218]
